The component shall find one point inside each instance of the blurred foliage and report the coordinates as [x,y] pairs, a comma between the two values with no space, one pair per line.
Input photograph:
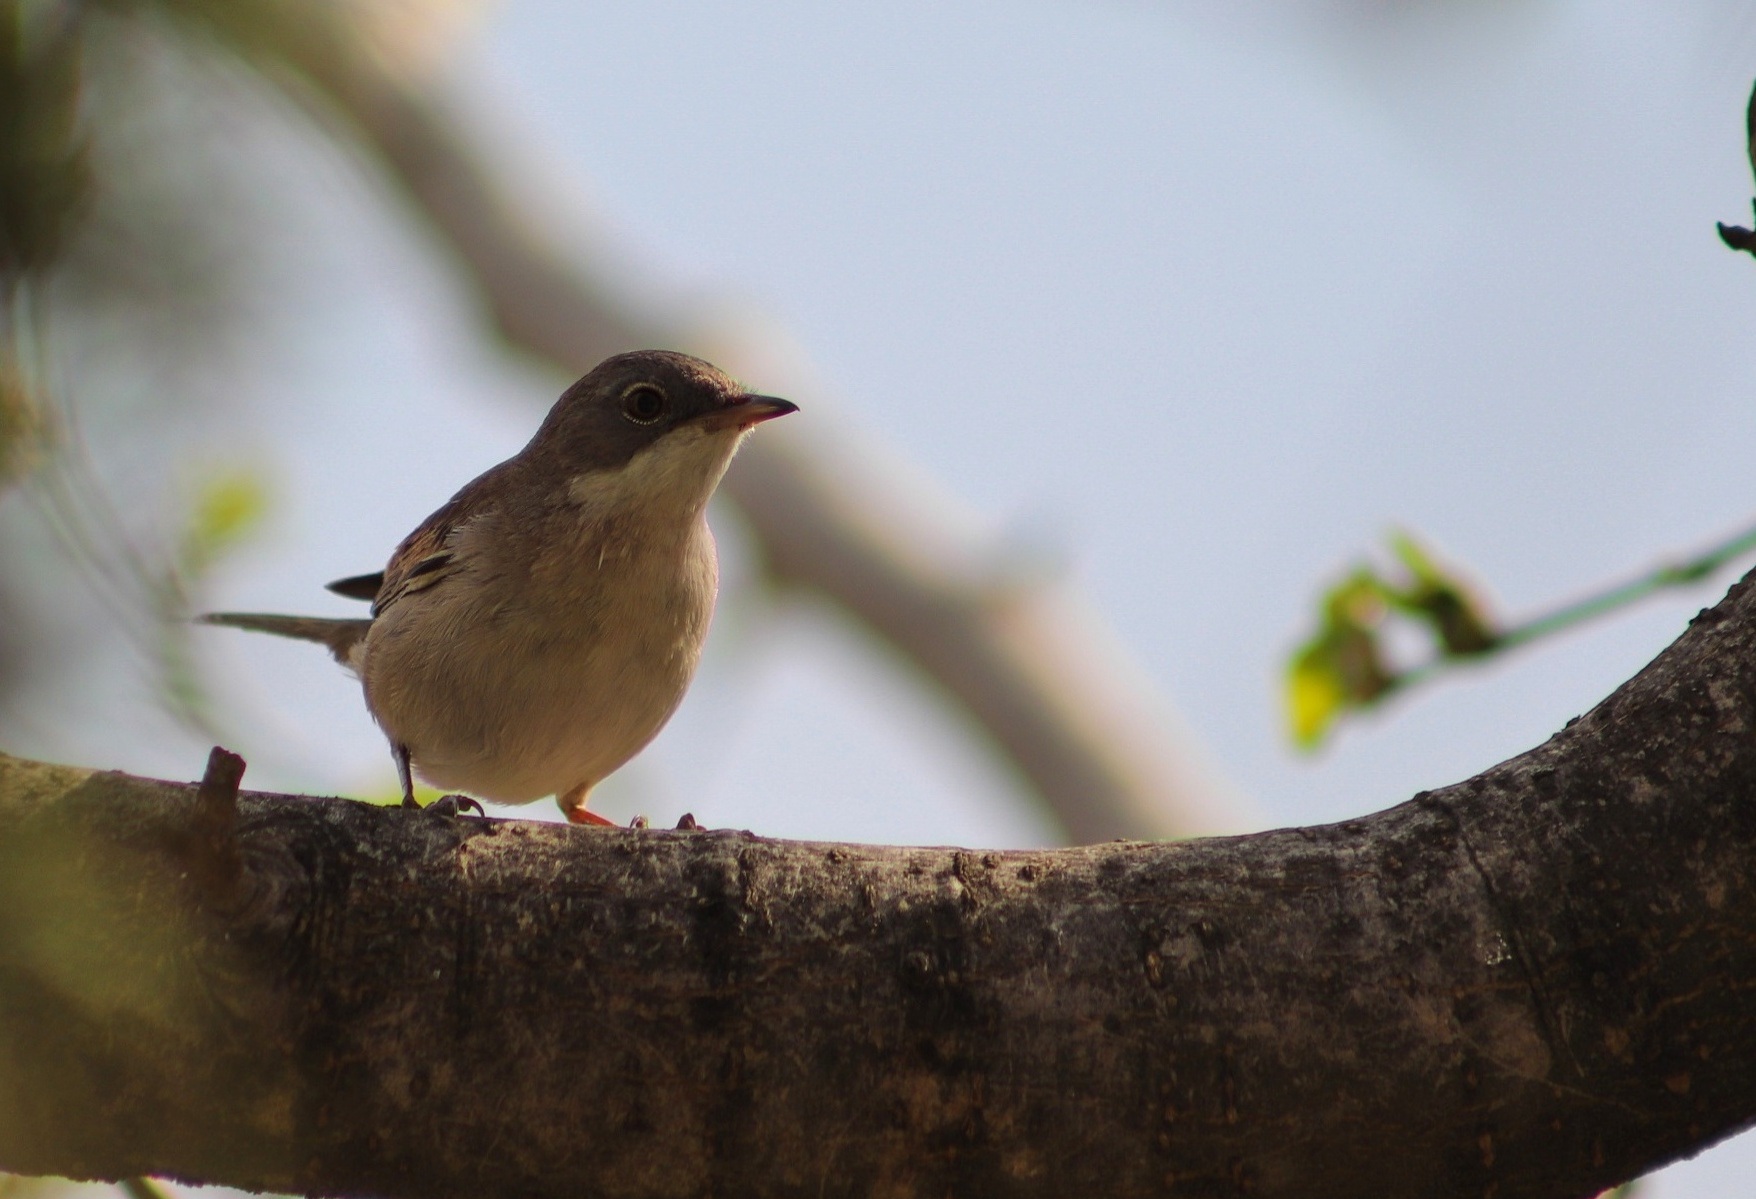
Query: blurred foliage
[1346,667]
[44,176]
[21,424]
[1736,236]
[1341,666]
[228,508]
[121,182]
[121,179]
[45,184]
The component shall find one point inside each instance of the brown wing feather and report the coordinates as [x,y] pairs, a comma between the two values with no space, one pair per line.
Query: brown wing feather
[425,558]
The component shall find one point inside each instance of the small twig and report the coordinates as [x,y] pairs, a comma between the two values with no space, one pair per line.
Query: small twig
[218,797]
[1345,668]
[1660,578]
[216,861]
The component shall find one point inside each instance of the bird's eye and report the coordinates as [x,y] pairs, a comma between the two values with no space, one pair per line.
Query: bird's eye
[643,403]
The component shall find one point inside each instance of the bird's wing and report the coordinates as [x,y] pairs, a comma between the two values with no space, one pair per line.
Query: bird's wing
[427,557]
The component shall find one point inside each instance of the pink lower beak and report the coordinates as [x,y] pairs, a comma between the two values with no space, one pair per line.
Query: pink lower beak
[745,411]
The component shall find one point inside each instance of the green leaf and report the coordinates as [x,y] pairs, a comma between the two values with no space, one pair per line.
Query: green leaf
[1341,668]
[1443,600]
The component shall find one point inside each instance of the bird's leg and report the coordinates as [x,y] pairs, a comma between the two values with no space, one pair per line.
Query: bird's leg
[404,775]
[572,805]
[445,805]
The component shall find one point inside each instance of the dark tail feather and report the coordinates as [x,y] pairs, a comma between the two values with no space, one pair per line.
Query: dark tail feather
[360,587]
[341,636]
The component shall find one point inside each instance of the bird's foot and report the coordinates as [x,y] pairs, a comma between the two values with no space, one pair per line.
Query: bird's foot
[454,805]
[583,816]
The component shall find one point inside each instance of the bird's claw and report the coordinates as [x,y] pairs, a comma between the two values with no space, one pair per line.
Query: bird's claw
[455,805]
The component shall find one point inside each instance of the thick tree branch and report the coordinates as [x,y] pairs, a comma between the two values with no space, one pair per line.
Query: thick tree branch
[1533,983]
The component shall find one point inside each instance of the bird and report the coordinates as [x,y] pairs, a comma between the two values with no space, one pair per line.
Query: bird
[539,629]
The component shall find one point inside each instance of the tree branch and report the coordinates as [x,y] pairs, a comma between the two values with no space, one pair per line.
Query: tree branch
[1533,983]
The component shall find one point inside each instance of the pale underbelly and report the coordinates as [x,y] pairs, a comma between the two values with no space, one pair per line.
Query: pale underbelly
[513,719]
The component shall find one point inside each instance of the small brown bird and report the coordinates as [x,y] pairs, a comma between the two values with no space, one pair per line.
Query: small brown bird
[538,630]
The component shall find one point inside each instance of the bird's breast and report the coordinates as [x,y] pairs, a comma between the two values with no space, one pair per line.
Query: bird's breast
[531,678]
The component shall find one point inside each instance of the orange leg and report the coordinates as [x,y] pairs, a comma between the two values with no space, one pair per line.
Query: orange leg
[573,807]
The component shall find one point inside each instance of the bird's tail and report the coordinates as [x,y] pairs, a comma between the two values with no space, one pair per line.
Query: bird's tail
[343,637]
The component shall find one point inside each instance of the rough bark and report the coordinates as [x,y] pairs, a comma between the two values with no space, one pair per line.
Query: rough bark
[1533,983]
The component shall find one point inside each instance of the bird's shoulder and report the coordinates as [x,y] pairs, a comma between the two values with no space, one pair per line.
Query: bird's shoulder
[428,556]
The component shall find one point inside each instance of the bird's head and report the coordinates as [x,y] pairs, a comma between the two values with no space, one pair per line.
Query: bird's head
[653,427]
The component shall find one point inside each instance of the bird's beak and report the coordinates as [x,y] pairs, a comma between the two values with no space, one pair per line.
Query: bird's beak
[745,411]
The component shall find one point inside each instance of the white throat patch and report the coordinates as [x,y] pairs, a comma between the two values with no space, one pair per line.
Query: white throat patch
[671,478]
